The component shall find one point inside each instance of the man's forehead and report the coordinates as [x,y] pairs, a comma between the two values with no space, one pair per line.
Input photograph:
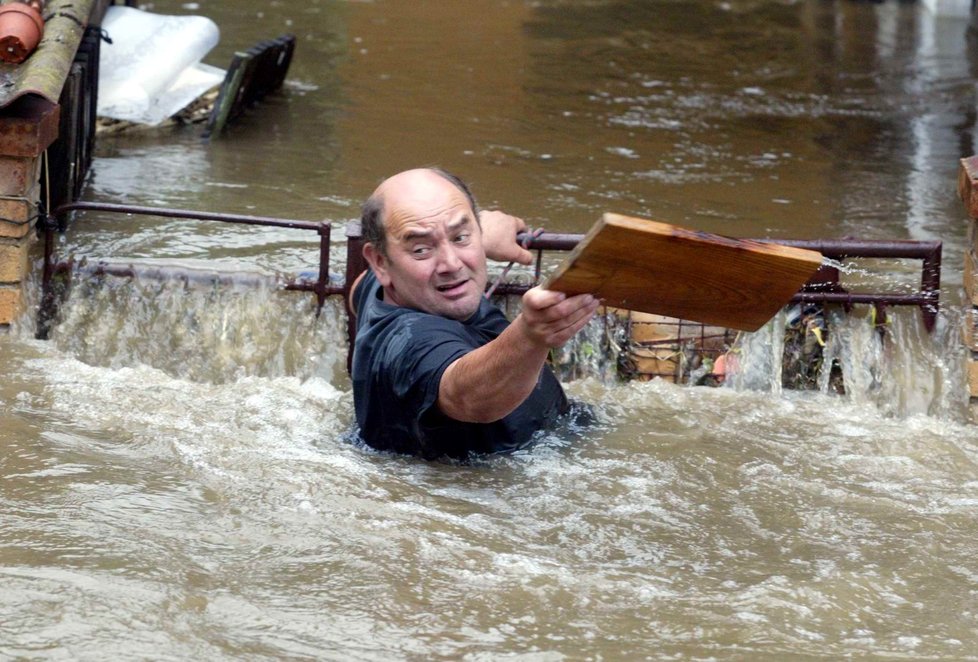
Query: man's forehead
[422,197]
[418,186]
[405,222]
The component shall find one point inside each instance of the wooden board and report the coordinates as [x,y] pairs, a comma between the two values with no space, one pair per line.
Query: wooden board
[968,184]
[668,270]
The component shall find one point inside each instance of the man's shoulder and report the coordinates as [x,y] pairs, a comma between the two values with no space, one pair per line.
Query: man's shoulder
[364,287]
[387,330]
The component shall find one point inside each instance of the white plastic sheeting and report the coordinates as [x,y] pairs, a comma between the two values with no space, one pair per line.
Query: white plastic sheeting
[152,68]
[950,8]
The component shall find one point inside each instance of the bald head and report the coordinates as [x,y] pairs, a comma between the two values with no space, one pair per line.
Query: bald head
[420,185]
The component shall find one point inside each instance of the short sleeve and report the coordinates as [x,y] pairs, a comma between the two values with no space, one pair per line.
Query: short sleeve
[417,354]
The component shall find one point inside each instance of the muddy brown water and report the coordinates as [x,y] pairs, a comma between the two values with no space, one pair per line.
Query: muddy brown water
[176,477]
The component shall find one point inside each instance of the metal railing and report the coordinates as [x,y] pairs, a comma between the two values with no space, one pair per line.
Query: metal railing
[824,287]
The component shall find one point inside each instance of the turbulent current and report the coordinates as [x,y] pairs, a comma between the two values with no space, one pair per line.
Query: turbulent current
[183,476]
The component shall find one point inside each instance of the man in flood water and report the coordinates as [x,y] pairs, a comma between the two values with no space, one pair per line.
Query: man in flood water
[438,371]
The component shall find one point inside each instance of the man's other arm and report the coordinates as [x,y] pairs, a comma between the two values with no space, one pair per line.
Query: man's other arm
[499,231]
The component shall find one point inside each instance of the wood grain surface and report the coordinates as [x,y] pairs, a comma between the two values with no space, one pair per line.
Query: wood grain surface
[668,270]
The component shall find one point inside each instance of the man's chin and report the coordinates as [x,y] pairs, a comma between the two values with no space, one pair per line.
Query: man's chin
[460,309]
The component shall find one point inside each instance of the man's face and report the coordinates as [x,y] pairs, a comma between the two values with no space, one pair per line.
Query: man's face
[435,261]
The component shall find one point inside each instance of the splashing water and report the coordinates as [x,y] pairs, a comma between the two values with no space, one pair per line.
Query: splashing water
[896,366]
[220,332]
[214,333]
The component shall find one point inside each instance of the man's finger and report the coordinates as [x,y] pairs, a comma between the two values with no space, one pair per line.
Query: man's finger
[571,306]
[514,253]
[523,256]
[577,320]
[556,324]
[540,299]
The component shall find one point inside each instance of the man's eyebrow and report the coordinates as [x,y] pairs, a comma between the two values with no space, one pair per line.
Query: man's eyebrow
[423,233]
[464,219]
[416,233]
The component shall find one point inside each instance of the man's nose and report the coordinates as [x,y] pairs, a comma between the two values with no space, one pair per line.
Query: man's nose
[449,261]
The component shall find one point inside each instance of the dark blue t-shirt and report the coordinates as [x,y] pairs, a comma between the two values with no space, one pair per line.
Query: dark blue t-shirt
[398,361]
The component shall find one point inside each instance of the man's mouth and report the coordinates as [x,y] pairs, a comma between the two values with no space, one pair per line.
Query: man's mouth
[450,288]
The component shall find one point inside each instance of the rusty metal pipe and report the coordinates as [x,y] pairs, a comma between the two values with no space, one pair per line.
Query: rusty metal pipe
[841,248]
[831,248]
[921,299]
[315,288]
[155,272]
[167,212]
[549,241]
[865,297]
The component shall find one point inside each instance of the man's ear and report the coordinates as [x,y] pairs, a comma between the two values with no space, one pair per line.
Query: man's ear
[378,263]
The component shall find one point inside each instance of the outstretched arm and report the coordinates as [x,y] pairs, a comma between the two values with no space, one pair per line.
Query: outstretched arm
[490,382]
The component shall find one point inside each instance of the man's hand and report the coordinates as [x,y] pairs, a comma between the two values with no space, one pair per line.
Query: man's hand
[499,237]
[551,318]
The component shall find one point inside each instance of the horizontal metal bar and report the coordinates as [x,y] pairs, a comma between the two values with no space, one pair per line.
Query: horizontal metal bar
[157,272]
[804,297]
[923,299]
[549,241]
[831,248]
[840,248]
[167,212]
[312,286]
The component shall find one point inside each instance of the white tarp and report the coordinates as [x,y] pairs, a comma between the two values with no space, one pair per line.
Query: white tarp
[950,8]
[152,68]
